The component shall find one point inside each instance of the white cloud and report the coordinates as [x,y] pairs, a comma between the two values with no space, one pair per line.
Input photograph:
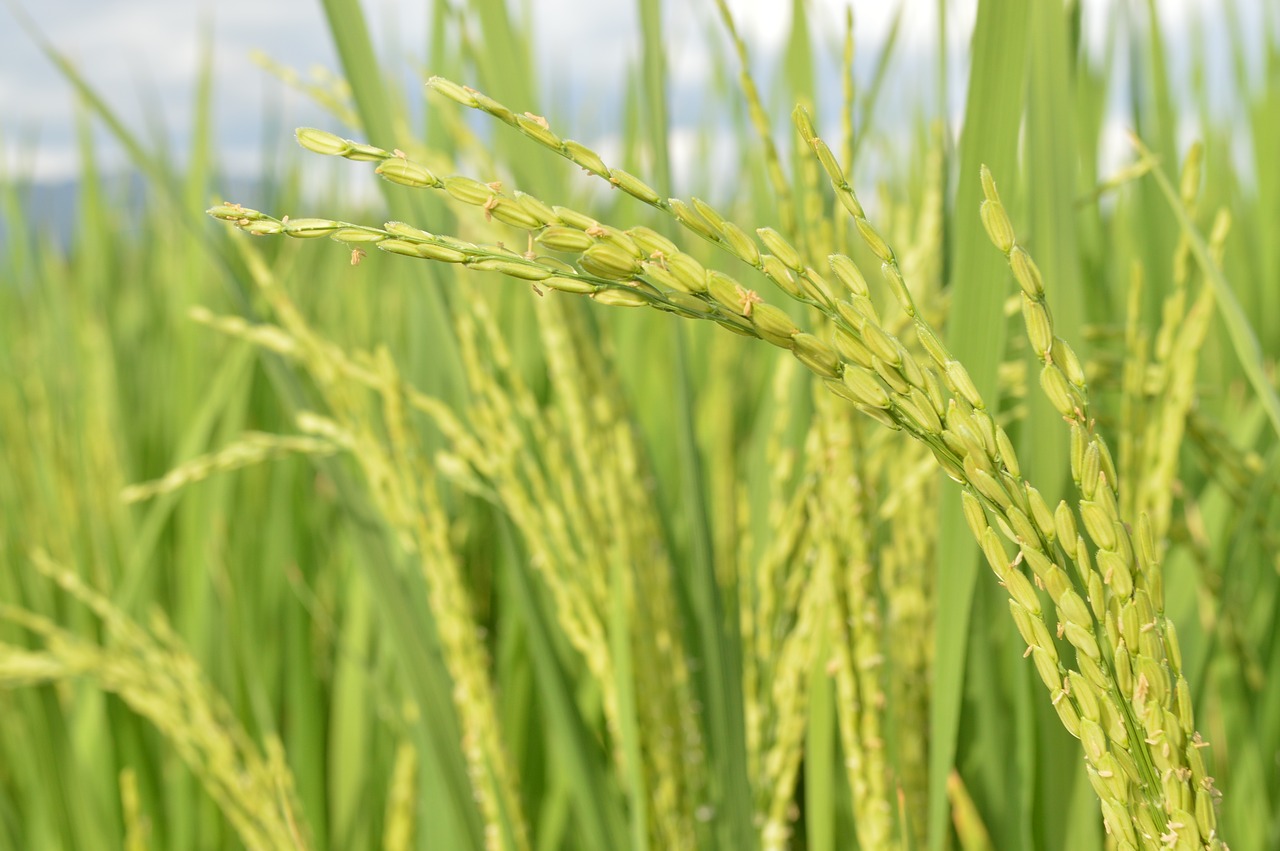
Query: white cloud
[132,49]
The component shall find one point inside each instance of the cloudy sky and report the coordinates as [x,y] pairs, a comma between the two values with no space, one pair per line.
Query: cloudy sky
[142,55]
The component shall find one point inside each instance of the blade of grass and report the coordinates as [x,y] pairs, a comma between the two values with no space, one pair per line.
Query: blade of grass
[360,65]
[1239,329]
[401,592]
[1155,118]
[577,753]
[977,338]
[628,733]
[706,616]
[871,93]
[821,746]
[1051,158]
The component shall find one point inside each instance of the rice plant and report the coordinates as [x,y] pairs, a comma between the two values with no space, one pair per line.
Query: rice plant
[460,553]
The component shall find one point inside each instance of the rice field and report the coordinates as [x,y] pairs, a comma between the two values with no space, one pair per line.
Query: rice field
[816,476]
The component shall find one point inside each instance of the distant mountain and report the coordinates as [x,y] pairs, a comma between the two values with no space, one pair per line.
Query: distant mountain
[48,207]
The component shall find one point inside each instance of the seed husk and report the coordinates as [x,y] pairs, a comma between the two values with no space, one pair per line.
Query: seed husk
[689,273]
[1092,671]
[938,353]
[891,375]
[1113,777]
[689,303]
[815,286]
[1054,578]
[1082,639]
[310,228]
[651,242]
[988,486]
[852,350]
[988,184]
[974,514]
[536,209]
[1039,326]
[662,277]
[1025,623]
[574,219]
[933,389]
[1047,668]
[1097,524]
[737,325]
[453,91]
[1021,589]
[777,272]
[816,354]
[1172,648]
[510,212]
[1065,524]
[689,217]
[322,141]
[366,153]
[880,344]
[407,231]
[619,297]
[538,131]
[893,277]
[1022,527]
[742,245]
[510,268]
[875,242]
[1090,468]
[929,417]
[263,227]
[401,246]
[1115,573]
[560,238]
[773,320]
[880,416]
[633,186]
[828,160]
[1182,701]
[435,251]
[710,213]
[949,466]
[407,173]
[728,292]
[494,108]
[1071,606]
[1064,398]
[233,213]
[866,388]
[1078,441]
[1026,272]
[585,157]
[999,228]
[1065,356]
[848,273]
[1067,712]
[997,557]
[781,249]
[958,379]
[356,234]
[1038,562]
[468,191]
[609,261]
[1085,697]
[570,285]
[1041,514]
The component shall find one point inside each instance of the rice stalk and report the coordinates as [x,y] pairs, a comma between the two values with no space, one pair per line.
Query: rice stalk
[157,678]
